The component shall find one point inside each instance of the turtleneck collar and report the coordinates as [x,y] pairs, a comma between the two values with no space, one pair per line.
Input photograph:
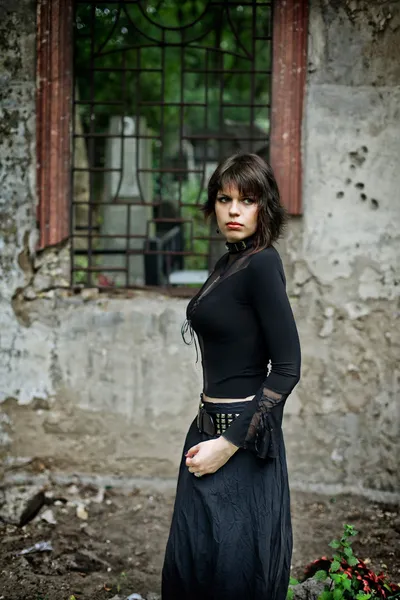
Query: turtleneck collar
[235,247]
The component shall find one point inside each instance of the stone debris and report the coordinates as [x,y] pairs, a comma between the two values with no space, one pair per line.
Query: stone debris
[99,498]
[49,517]
[20,503]
[310,589]
[81,512]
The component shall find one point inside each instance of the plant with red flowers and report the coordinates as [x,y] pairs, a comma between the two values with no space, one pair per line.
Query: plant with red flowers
[348,577]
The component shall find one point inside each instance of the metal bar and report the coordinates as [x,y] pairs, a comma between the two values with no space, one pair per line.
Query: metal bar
[216,136]
[131,252]
[231,71]
[98,102]
[91,154]
[116,135]
[138,236]
[72,173]
[82,71]
[252,80]
[182,103]
[199,104]
[96,169]
[213,2]
[137,125]
[120,203]
[162,118]
[128,208]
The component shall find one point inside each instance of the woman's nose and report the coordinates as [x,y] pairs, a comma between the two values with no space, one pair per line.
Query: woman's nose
[234,208]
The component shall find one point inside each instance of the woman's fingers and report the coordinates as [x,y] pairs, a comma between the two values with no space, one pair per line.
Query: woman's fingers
[193,451]
[192,462]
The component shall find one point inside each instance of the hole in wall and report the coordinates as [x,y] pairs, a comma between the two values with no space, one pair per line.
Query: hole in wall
[340,195]
[363,197]
[375,203]
[360,186]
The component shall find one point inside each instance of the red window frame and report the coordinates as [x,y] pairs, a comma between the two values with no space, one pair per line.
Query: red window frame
[54,111]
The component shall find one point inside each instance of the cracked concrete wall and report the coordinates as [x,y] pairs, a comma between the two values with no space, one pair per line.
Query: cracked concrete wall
[104,384]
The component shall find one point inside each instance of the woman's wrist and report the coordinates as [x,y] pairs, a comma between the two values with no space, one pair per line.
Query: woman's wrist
[227,446]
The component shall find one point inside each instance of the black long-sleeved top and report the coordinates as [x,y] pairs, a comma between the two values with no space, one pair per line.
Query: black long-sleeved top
[249,342]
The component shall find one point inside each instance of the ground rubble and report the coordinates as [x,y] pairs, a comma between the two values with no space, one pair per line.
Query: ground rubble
[84,542]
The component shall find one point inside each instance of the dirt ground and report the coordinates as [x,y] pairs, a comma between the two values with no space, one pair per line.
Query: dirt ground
[108,543]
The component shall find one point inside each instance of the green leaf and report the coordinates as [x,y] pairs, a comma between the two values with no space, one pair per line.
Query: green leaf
[326,595]
[352,560]
[347,584]
[335,566]
[337,594]
[334,544]
[320,575]
[337,557]
[348,551]
[290,594]
[293,581]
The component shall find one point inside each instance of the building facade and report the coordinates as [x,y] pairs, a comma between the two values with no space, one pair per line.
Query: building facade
[102,383]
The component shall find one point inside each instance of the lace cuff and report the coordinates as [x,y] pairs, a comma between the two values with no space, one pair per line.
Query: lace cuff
[258,428]
[264,428]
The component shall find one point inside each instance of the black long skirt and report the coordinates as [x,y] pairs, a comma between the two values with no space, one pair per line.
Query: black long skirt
[231,534]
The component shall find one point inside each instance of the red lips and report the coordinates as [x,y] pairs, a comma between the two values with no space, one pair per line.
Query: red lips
[234,225]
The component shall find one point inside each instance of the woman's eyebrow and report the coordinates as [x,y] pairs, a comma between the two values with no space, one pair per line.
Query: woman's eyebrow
[240,195]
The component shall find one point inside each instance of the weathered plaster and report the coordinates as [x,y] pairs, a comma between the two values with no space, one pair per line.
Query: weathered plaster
[105,384]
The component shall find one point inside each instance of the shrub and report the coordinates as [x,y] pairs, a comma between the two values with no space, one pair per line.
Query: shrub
[348,577]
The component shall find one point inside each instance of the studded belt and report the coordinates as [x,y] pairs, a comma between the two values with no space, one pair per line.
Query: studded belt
[214,423]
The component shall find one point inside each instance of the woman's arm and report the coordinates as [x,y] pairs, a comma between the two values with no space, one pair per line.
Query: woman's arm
[255,428]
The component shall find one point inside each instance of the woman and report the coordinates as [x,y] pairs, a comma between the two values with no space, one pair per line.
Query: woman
[231,536]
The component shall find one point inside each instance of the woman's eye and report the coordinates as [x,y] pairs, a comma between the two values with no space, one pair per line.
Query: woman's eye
[248,200]
[222,199]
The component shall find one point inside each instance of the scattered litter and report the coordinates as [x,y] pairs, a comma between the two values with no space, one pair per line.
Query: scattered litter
[137,507]
[99,496]
[48,516]
[81,512]
[134,597]
[39,547]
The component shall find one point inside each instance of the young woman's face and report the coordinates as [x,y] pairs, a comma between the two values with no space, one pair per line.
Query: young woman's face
[236,214]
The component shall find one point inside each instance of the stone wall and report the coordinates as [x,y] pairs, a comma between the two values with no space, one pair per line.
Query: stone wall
[96,383]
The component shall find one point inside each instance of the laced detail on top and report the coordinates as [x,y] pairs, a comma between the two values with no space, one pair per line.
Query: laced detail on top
[227,265]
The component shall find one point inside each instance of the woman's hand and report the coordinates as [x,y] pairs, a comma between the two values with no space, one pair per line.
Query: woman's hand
[207,457]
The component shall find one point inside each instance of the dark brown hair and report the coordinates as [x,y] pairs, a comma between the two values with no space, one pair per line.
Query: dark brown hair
[252,176]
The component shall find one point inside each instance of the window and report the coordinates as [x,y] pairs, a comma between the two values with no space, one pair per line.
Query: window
[161,92]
